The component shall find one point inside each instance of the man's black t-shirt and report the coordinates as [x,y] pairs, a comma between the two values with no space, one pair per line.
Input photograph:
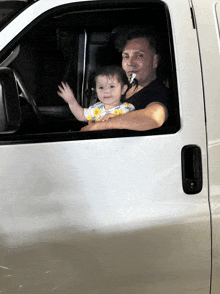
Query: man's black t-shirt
[154,92]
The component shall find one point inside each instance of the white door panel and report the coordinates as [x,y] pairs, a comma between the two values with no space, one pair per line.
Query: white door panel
[207,15]
[106,212]
[66,181]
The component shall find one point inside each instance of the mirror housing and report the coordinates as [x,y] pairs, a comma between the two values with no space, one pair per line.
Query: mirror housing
[10,110]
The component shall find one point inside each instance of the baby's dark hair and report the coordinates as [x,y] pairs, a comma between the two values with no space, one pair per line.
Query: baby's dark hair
[114,71]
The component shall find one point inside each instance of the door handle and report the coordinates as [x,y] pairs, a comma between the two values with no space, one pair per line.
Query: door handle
[191,169]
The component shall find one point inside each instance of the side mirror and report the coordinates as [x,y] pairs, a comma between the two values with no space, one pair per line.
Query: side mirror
[10,110]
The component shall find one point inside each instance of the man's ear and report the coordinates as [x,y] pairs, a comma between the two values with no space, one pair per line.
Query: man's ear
[124,89]
[156,60]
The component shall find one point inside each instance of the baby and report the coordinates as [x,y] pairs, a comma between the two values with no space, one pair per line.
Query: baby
[111,84]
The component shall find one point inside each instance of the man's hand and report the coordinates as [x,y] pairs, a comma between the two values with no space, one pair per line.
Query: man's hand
[151,117]
[94,126]
[107,116]
[98,125]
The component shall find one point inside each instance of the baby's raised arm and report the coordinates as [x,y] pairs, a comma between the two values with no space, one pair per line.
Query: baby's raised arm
[66,93]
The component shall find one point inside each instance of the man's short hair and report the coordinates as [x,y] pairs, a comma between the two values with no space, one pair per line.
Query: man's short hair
[125,34]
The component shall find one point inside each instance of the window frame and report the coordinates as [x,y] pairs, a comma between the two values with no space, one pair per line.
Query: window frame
[76,135]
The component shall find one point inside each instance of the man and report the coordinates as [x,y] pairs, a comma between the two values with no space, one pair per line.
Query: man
[139,56]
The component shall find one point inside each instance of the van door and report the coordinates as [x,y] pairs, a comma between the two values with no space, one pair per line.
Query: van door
[113,213]
[207,15]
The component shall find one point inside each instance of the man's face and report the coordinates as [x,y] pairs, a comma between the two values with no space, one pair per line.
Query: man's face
[137,57]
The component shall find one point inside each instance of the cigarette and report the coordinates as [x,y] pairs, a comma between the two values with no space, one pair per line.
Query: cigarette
[132,77]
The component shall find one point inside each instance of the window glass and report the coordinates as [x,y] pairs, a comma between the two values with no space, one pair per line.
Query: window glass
[9,9]
[69,45]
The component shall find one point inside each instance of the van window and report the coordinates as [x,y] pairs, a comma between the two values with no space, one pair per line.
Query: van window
[9,9]
[69,44]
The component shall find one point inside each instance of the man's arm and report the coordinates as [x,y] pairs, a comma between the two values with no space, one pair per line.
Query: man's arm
[151,117]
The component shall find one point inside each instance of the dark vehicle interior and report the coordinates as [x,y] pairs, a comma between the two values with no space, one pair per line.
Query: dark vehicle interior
[68,44]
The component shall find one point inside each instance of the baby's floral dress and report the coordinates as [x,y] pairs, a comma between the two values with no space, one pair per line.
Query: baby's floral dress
[97,111]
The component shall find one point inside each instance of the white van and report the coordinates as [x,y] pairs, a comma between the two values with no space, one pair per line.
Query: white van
[113,211]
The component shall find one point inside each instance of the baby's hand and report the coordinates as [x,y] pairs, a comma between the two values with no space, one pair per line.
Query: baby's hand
[107,116]
[66,93]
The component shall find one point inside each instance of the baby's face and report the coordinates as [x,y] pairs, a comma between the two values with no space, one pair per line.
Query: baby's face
[109,90]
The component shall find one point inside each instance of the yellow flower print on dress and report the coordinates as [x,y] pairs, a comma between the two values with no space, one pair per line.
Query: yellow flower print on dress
[89,117]
[97,112]
[116,112]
